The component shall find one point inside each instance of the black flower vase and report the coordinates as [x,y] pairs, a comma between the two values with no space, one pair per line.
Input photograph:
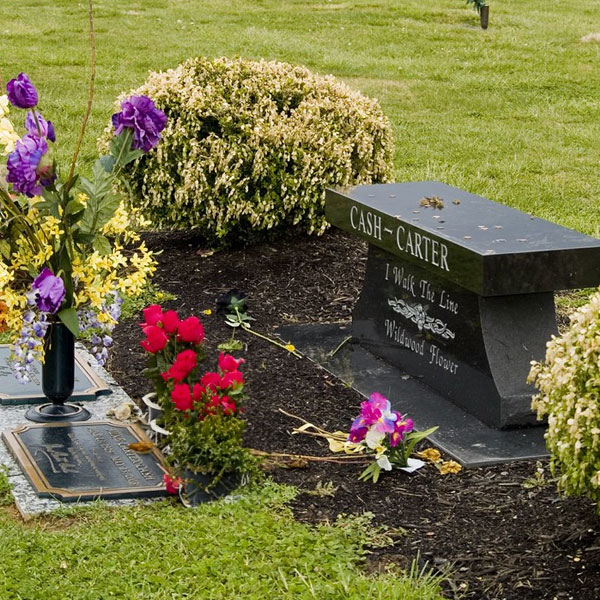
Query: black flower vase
[193,491]
[58,379]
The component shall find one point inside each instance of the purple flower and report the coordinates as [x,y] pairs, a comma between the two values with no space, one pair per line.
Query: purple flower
[401,427]
[21,92]
[51,291]
[370,414]
[25,167]
[357,434]
[380,404]
[39,329]
[147,121]
[46,129]
[28,345]
[379,401]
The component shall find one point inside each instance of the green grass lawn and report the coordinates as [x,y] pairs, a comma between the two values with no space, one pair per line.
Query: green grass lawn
[250,549]
[510,113]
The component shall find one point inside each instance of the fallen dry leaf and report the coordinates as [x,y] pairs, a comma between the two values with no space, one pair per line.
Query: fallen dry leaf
[141,447]
[449,466]
[430,454]
[122,412]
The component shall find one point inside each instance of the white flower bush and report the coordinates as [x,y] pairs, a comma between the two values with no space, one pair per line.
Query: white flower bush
[569,385]
[250,147]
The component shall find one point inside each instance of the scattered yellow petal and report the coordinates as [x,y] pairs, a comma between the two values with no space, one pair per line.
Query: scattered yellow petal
[352,448]
[335,445]
[449,466]
[431,454]
[339,442]
[290,347]
[207,312]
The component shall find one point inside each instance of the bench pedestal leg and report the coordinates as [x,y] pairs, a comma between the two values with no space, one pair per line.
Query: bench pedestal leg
[474,350]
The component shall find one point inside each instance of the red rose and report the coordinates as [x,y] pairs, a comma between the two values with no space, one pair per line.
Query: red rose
[182,397]
[198,392]
[229,363]
[176,373]
[191,330]
[172,484]
[170,321]
[187,360]
[228,405]
[211,406]
[211,380]
[185,363]
[231,378]
[152,314]
[156,339]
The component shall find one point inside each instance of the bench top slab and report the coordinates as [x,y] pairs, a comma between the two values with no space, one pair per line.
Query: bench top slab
[482,245]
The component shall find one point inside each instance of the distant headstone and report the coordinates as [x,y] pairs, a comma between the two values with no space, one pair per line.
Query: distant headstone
[86,461]
[458,289]
[88,385]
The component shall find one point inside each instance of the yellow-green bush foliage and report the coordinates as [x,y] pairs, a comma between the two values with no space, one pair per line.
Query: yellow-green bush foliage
[569,384]
[250,146]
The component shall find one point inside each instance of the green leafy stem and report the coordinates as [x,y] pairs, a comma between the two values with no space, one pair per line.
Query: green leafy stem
[237,317]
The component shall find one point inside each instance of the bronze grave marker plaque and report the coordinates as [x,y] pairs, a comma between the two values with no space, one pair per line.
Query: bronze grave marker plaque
[86,461]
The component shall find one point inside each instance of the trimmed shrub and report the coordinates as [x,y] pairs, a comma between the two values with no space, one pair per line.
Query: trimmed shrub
[249,147]
[569,384]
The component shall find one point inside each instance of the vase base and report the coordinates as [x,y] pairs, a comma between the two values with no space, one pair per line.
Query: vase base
[193,491]
[57,413]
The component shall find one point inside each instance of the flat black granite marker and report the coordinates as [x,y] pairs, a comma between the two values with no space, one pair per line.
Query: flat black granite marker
[458,289]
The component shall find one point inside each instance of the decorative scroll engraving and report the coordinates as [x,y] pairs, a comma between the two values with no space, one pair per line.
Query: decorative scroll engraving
[417,315]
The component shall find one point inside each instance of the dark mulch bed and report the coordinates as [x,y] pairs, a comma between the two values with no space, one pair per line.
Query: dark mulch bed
[496,537]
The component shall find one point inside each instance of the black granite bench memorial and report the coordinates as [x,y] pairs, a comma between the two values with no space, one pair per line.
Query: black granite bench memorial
[458,290]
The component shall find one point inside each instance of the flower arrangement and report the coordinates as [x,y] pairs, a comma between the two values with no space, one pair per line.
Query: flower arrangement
[378,431]
[386,433]
[568,380]
[63,254]
[202,410]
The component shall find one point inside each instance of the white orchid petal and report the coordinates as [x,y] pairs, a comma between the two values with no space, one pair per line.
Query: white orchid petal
[374,438]
[384,463]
